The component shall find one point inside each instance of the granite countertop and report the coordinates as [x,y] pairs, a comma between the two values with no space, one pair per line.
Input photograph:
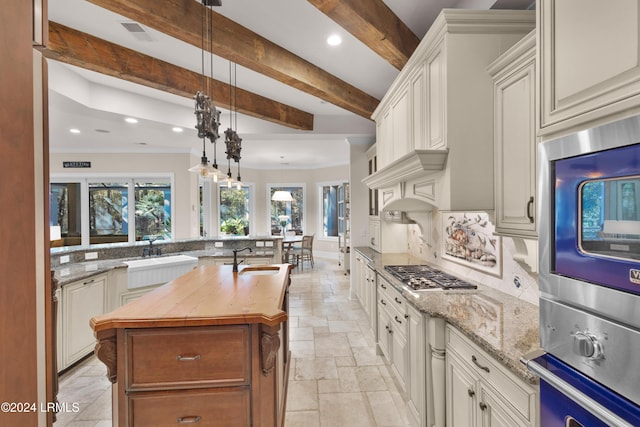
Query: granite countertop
[73,271]
[502,325]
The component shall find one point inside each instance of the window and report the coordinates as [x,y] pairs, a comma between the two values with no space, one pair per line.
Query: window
[65,203]
[287,215]
[329,196]
[153,209]
[108,212]
[94,211]
[234,210]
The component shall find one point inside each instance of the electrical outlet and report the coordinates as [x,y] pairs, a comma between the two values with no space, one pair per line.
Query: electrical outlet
[91,255]
[259,244]
[269,244]
[218,244]
[64,259]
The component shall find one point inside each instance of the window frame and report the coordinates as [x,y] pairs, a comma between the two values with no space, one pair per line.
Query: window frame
[320,227]
[269,186]
[130,179]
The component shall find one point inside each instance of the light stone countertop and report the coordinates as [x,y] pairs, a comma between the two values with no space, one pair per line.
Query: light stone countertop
[502,325]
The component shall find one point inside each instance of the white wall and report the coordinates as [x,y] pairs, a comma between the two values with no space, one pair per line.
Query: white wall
[186,187]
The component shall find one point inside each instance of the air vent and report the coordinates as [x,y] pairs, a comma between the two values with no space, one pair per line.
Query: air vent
[137,31]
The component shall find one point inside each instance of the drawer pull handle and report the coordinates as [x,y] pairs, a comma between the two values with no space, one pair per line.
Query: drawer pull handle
[88,282]
[471,393]
[475,361]
[189,420]
[397,300]
[383,286]
[182,358]
[398,320]
[382,302]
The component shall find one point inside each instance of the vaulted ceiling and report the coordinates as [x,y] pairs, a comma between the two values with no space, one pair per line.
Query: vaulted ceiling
[298,99]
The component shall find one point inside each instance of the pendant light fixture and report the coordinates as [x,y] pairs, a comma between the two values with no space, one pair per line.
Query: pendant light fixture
[207,115]
[232,140]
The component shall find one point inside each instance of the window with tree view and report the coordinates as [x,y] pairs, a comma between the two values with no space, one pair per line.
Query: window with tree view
[153,210]
[234,210]
[108,220]
[287,215]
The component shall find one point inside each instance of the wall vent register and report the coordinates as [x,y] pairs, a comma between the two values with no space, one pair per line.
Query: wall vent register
[424,277]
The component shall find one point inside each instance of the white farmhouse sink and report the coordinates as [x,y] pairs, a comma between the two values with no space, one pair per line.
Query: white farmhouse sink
[154,271]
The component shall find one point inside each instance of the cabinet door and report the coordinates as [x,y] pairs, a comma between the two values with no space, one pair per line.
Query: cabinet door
[416,372]
[461,393]
[515,152]
[401,138]
[384,331]
[384,141]
[590,66]
[81,301]
[493,411]
[372,294]
[399,349]
[418,108]
[435,102]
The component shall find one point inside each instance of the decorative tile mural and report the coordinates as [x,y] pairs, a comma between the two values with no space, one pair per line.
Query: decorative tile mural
[468,239]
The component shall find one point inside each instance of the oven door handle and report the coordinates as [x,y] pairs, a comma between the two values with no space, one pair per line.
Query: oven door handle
[567,389]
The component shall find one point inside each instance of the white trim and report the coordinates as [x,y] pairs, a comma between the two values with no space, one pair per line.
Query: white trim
[320,226]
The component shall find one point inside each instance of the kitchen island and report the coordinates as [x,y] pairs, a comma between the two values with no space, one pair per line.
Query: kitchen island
[210,347]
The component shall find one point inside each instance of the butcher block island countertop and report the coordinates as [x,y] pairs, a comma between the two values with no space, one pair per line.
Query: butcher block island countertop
[210,347]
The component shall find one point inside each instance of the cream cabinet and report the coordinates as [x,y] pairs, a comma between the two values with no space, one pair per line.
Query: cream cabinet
[372,163]
[515,139]
[374,234]
[480,392]
[80,301]
[446,94]
[589,63]
[392,330]
[416,380]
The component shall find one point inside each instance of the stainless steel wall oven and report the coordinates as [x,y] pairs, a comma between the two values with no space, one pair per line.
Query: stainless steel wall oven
[589,210]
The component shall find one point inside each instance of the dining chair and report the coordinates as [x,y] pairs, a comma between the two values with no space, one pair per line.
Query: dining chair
[305,251]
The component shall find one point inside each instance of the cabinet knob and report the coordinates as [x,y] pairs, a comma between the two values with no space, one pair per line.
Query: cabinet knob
[471,393]
[483,406]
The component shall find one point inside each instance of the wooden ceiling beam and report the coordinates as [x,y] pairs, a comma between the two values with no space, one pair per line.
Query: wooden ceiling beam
[182,19]
[89,52]
[375,25]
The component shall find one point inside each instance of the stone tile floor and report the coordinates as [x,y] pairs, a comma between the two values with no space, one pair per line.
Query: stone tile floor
[336,378]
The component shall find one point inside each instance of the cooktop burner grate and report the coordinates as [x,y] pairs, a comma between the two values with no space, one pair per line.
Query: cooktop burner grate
[424,277]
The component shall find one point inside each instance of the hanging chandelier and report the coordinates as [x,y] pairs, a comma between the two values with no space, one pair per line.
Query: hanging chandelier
[207,115]
[232,140]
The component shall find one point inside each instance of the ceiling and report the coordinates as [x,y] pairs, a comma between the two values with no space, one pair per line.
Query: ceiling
[97,104]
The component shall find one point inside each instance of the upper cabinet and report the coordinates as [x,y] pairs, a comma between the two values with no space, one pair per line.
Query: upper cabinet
[515,139]
[589,63]
[434,125]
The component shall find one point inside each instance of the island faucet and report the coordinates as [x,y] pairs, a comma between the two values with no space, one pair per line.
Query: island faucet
[235,257]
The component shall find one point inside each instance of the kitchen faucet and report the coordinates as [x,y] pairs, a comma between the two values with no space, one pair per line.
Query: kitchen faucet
[149,251]
[235,257]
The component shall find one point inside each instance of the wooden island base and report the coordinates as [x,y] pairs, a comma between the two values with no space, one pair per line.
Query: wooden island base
[210,348]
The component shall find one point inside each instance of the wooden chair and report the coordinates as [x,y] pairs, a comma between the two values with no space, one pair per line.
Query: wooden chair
[305,251]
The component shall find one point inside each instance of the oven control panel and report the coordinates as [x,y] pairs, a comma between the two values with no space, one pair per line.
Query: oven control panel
[601,349]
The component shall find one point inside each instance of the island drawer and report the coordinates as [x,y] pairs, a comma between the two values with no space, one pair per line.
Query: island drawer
[212,407]
[197,357]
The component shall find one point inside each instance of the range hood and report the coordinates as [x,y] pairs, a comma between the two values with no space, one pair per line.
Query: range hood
[392,179]
[437,179]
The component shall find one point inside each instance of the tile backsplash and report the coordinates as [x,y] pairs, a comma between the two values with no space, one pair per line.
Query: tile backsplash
[513,280]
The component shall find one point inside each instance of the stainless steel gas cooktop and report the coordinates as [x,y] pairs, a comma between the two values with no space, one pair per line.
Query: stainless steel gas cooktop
[424,277]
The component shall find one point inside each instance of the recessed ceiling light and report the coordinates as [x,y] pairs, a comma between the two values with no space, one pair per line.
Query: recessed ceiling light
[131,120]
[74,130]
[103,131]
[141,143]
[177,129]
[334,40]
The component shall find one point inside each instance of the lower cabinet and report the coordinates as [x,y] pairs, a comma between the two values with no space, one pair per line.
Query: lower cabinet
[80,301]
[480,392]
